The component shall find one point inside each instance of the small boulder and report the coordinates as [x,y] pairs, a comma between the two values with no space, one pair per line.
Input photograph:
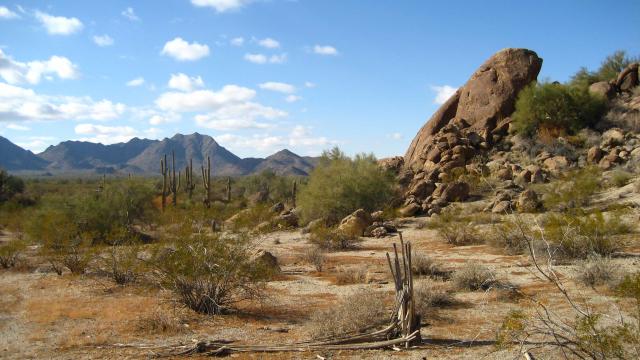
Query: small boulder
[556,164]
[603,89]
[379,232]
[277,208]
[504,174]
[377,215]
[594,154]
[410,210]
[613,137]
[422,189]
[501,207]
[456,191]
[268,260]
[528,201]
[287,219]
[356,223]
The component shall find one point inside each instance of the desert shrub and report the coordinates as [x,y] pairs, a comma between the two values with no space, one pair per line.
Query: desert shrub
[250,217]
[9,186]
[10,253]
[425,265]
[608,70]
[347,275]
[596,270]
[430,295]
[316,257]
[210,274]
[454,229]
[279,188]
[355,313]
[159,321]
[556,107]
[328,238]
[508,236]
[340,185]
[579,236]
[574,190]
[121,263]
[620,178]
[473,276]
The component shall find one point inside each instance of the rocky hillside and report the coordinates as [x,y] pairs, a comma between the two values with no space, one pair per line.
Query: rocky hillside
[472,136]
[14,157]
[142,156]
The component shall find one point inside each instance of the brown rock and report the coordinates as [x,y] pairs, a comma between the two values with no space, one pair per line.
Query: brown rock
[379,232]
[501,207]
[489,95]
[355,223]
[594,154]
[410,210]
[628,78]
[528,201]
[523,177]
[556,164]
[268,260]
[504,174]
[613,137]
[457,191]
[422,189]
[603,89]
[393,164]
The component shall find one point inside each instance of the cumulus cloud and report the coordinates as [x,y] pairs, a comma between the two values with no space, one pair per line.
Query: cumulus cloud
[443,93]
[105,134]
[325,50]
[20,104]
[239,116]
[203,100]
[300,138]
[5,13]
[269,43]
[221,5]
[15,72]
[309,84]
[238,41]
[184,51]
[135,82]
[263,59]
[278,86]
[36,143]
[130,14]
[292,98]
[59,25]
[395,136]
[103,40]
[158,119]
[18,127]
[184,82]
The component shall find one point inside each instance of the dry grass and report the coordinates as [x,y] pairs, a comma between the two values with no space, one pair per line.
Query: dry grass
[473,276]
[426,266]
[346,275]
[432,295]
[597,270]
[316,257]
[160,321]
[354,313]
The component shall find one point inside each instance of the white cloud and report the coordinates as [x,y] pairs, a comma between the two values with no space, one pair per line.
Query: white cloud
[103,40]
[136,82]
[269,43]
[105,134]
[395,136]
[221,5]
[263,59]
[309,84]
[130,14]
[5,13]
[36,143]
[278,86]
[239,116]
[183,51]
[238,41]
[443,93]
[163,119]
[325,50]
[183,82]
[292,98]
[203,99]
[59,25]
[15,72]
[20,104]
[18,127]
[300,137]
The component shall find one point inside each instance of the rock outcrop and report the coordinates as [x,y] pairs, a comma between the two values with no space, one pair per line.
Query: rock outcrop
[469,123]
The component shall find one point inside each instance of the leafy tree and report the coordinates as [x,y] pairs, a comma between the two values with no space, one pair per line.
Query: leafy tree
[9,186]
[556,107]
[608,70]
[340,185]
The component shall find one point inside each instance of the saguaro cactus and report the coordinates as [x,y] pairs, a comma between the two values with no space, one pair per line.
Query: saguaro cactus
[174,185]
[206,182]
[294,191]
[164,170]
[189,182]
[228,189]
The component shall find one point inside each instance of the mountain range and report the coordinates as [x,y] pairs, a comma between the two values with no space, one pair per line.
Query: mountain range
[142,156]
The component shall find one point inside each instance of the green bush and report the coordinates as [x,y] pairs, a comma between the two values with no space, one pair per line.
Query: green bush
[574,190]
[580,236]
[210,274]
[455,229]
[340,185]
[10,253]
[556,108]
[9,186]
[328,238]
[609,70]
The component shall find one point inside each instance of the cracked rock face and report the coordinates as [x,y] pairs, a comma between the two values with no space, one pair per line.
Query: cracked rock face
[468,124]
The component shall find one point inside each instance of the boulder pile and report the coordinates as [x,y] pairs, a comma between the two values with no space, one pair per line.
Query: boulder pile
[468,124]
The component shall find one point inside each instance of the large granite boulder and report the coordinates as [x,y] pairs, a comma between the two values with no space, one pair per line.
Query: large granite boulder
[355,223]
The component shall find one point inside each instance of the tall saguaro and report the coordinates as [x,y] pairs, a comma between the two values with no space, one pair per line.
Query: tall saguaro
[164,170]
[189,181]
[206,182]
[174,185]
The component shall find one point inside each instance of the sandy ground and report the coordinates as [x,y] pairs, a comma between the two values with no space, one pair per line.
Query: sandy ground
[43,315]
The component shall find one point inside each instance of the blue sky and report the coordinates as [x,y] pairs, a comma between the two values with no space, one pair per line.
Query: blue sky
[262,75]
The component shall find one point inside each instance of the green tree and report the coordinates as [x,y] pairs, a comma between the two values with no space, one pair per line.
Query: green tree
[9,186]
[340,185]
